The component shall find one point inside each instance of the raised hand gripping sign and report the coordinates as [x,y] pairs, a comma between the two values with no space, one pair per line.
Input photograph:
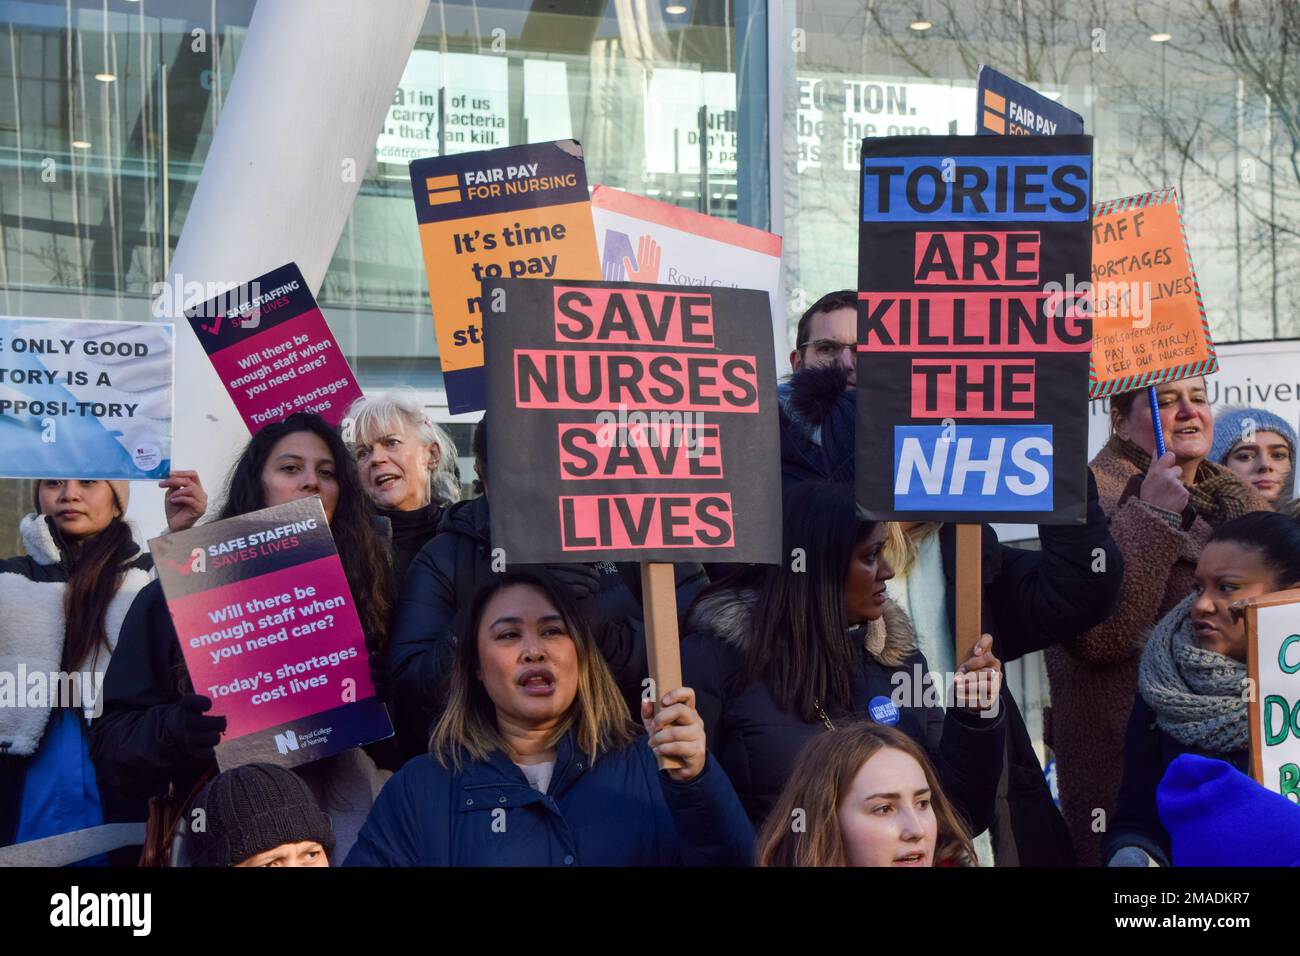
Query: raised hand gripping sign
[972,354]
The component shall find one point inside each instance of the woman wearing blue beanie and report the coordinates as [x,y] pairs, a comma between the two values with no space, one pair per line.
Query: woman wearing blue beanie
[1192,676]
[1259,447]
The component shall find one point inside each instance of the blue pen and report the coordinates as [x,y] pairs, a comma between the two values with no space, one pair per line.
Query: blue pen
[1155,421]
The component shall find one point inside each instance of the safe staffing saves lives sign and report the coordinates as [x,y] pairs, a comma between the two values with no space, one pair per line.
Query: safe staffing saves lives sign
[972,357]
[269,632]
[631,422]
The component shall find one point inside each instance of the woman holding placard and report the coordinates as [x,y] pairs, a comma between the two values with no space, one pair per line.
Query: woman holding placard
[1192,682]
[780,654]
[63,605]
[1162,510]
[1030,600]
[865,795]
[535,762]
[156,731]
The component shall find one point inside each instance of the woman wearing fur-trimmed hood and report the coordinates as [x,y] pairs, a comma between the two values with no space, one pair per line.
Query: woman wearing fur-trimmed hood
[780,654]
[64,601]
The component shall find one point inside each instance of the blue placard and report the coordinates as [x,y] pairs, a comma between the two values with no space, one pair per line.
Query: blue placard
[1007,108]
[85,399]
[973,467]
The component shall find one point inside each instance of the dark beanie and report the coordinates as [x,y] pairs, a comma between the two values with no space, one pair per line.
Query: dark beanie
[254,808]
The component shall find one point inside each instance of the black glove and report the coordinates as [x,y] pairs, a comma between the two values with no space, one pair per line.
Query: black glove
[581,580]
[194,734]
[379,676]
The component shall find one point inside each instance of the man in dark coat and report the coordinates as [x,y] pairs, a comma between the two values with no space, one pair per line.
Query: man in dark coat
[1032,600]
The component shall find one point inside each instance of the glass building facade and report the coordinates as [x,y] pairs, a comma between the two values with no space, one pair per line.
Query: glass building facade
[746,110]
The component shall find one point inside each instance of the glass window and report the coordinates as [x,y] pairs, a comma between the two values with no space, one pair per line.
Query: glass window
[1201,97]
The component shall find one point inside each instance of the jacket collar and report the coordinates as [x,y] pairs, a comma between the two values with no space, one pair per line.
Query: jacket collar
[498,776]
[45,546]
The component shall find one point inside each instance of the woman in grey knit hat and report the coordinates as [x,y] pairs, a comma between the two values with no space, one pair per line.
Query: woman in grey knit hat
[1192,677]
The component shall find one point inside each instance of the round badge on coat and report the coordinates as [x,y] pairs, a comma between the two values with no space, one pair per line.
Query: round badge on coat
[883,711]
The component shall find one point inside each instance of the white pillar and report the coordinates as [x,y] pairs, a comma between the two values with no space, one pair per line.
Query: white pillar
[311,88]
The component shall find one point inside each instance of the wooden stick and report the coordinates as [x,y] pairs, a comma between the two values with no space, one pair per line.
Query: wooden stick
[662,646]
[1253,705]
[970,589]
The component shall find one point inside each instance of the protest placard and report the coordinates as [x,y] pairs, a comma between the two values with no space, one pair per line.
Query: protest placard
[1273,636]
[85,399]
[269,631]
[517,212]
[273,352]
[641,240]
[972,359]
[631,423]
[1008,108]
[1149,321]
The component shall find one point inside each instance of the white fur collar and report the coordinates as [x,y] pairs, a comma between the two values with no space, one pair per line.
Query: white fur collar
[31,641]
[39,543]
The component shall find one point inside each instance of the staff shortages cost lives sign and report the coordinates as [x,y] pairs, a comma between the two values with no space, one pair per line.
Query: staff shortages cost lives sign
[973,351]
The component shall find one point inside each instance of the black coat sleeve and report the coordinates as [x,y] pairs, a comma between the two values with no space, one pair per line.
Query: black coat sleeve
[1137,821]
[132,752]
[709,669]
[1041,598]
[969,762]
[421,645]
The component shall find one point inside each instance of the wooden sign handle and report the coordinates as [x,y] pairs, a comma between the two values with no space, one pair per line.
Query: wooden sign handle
[662,645]
[1252,704]
[970,590]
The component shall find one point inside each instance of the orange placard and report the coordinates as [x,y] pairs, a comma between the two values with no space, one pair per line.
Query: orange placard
[520,212]
[1149,323]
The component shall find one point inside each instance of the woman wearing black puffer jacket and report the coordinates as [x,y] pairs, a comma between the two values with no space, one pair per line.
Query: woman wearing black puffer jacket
[1032,600]
[780,654]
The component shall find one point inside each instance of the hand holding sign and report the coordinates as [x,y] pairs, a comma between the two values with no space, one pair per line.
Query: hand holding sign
[1163,486]
[979,680]
[187,502]
[191,730]
[677,731]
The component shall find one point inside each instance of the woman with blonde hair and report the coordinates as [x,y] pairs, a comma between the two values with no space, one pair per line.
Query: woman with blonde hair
[407,466]
[864,795]
[535,762]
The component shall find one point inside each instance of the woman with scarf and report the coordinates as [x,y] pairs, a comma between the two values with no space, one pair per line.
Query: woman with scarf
[1192,676]
[1162,510]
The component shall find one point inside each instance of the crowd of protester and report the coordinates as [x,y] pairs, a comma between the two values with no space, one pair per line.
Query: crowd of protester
[824,718]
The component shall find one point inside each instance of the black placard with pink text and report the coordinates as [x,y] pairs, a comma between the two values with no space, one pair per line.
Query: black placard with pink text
[631,422]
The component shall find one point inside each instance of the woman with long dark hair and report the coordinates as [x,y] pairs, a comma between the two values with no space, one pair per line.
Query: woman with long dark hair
[156,734]
[63,605]
[780,654]
[535,762]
